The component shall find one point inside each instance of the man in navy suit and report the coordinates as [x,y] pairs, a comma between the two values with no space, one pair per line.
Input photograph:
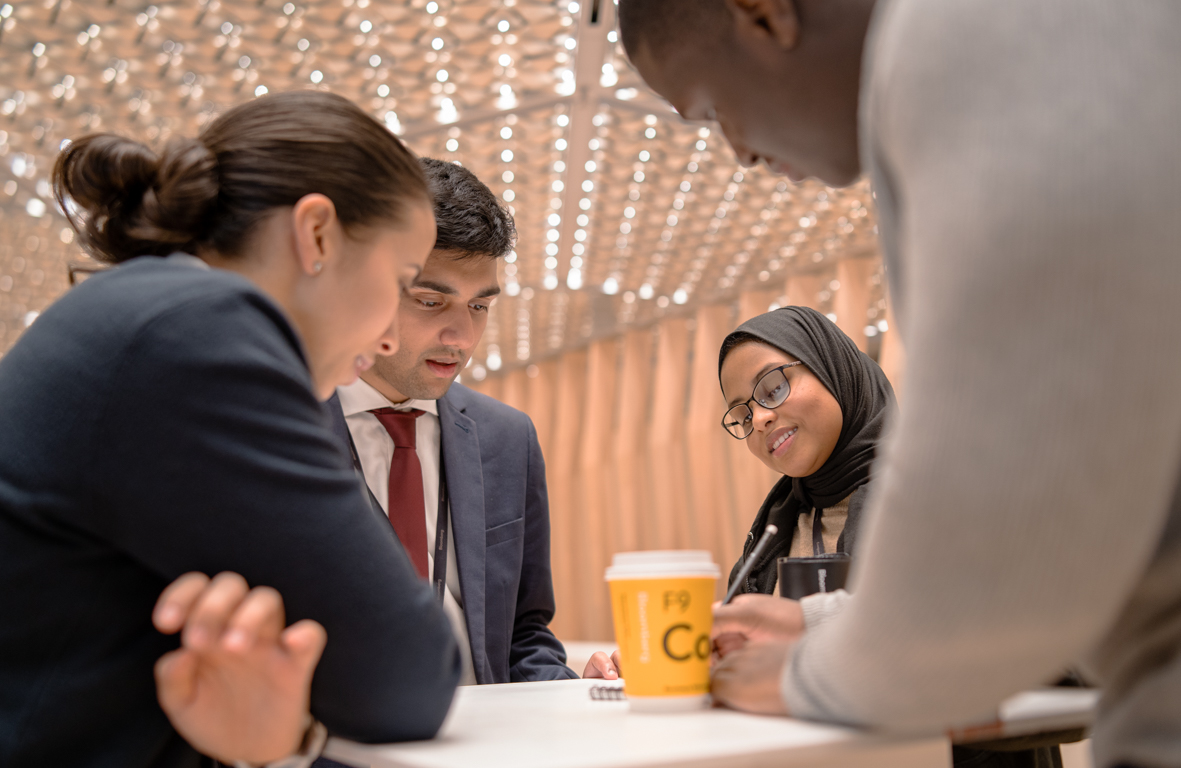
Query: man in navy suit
[466,472]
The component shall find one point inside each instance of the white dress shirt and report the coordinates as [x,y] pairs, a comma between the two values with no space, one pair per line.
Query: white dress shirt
[375,449]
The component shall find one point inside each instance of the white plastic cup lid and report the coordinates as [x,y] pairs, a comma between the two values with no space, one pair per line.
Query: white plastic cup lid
[662,564]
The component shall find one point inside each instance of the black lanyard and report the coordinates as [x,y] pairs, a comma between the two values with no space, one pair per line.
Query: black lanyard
[439,576]
[441,522]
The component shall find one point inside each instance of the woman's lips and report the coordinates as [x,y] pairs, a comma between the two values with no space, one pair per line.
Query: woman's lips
[443,369]
[781,440]
[361,363]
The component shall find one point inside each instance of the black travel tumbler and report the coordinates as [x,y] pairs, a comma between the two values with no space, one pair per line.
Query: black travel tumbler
[802,576]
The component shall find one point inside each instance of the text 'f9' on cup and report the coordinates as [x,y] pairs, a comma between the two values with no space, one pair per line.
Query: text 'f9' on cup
[661,603]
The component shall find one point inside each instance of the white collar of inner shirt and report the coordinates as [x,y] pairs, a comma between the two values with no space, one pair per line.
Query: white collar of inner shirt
[360,397]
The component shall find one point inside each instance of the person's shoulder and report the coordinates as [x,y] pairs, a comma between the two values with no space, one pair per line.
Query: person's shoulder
[148,287]
[487,411]
[179,309]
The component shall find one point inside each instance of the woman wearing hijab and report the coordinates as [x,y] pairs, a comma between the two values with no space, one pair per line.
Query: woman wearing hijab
[811,406]
[164,417]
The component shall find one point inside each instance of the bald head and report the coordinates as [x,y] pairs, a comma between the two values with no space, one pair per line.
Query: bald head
[780,77]
[662,27]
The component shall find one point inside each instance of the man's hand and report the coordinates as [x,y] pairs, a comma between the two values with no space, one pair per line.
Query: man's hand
[749,678]
[238,688]
[599,666]
[755,618]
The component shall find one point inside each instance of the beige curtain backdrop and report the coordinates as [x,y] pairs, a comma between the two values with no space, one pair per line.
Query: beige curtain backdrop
[636,457]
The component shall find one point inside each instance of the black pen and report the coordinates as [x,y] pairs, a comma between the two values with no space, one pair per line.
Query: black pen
[768,532]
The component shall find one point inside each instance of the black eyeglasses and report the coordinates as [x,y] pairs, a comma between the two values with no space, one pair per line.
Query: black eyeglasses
[770,392]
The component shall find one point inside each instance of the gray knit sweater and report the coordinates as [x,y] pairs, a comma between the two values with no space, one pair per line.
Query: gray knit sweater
[1026,158]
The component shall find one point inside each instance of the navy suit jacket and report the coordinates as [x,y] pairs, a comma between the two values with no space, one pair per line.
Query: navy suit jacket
[159,419]
[500,519]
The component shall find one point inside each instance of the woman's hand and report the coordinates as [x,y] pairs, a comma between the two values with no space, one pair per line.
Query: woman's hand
[749,678]
[599,666]
[238,688]
[755,618]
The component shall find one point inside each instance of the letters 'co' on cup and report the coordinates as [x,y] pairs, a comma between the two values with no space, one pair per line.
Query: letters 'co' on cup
[661,605]
[803,576]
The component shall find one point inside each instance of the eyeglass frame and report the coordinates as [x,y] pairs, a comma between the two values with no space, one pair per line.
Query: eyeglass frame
[751,399]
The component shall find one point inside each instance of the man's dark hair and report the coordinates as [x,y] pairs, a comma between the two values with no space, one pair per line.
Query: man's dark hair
[469,219]
[659,24]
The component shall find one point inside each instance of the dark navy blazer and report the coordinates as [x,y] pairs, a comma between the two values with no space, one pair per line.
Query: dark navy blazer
[500,518]
[158,419]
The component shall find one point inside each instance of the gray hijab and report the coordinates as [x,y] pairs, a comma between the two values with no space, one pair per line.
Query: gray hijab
[854,379]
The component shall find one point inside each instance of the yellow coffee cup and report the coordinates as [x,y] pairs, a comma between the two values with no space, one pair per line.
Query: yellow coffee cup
[661,605]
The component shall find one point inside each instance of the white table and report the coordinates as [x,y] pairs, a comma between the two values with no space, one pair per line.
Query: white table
[557,725]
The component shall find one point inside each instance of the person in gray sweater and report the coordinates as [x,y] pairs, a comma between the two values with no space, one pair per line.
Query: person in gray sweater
[1026,166]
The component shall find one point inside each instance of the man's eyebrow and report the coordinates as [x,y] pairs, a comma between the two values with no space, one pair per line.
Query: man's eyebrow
[431,285]
[489,292]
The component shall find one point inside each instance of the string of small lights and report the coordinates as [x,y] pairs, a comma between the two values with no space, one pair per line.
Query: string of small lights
[626,214]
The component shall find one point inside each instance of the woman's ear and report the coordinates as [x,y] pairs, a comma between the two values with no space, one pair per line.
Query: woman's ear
[317,232]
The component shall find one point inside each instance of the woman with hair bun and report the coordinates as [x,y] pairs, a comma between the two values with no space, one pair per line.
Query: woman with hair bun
[162,421]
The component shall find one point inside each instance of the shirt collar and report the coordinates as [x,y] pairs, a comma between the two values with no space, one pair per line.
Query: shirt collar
[360,397]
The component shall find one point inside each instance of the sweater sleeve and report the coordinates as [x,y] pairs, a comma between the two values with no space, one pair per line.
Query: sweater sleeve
[1027,481]
[822,606]
[217,457]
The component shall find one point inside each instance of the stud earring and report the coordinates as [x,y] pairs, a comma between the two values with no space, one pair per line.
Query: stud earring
[317,267]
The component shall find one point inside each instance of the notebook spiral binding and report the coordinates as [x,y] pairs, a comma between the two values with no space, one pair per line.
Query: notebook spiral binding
[607,693]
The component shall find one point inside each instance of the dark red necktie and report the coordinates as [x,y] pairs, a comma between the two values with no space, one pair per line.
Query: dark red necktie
[407,507]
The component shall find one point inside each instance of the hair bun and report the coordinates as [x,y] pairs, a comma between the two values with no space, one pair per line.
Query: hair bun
[209,195]
[135,203]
